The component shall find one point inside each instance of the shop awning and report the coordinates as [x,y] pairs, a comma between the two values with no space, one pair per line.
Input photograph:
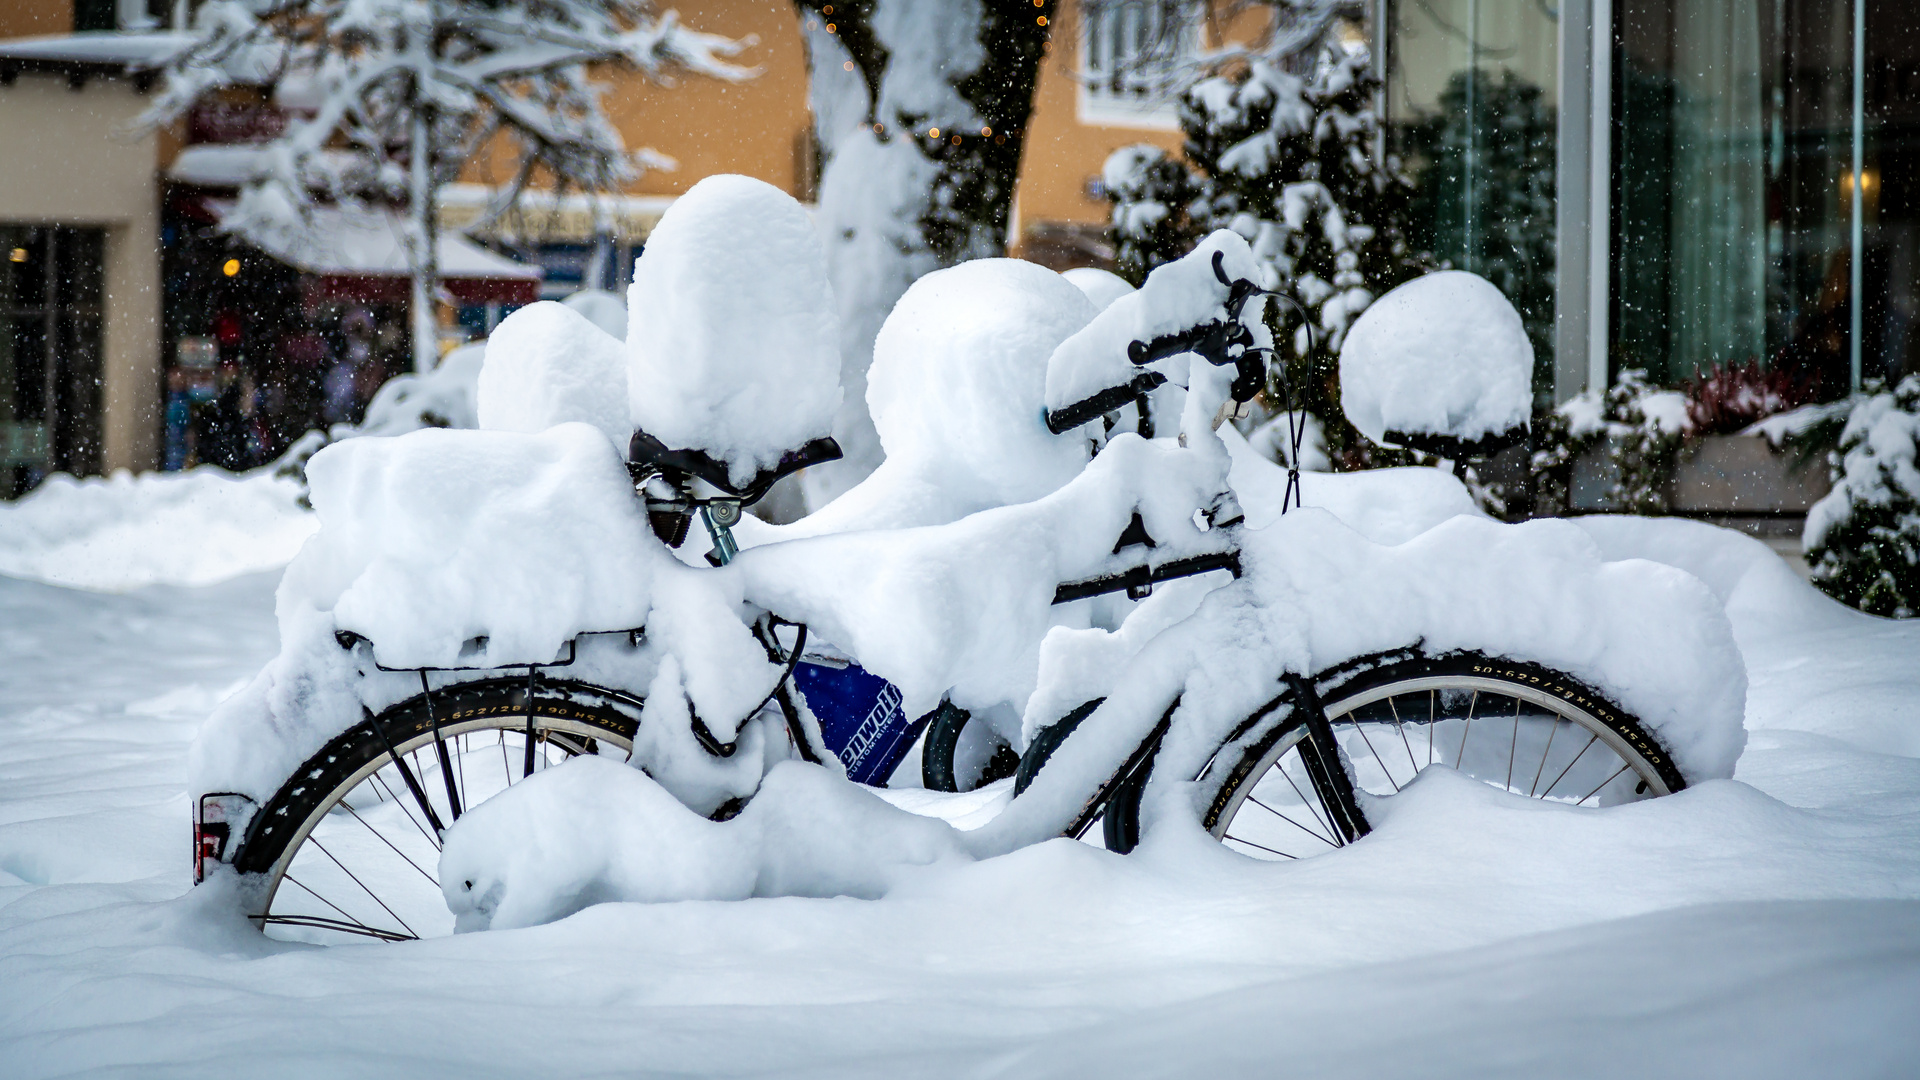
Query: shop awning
[361,255]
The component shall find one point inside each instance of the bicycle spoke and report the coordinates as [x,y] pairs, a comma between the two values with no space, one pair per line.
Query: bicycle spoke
[1603,783]
[460,767]
[309,891]
[1551,732]
[1395,709]
[403,809]
[1563,772]
[1262,847]
[315,841]
[1460,756]
[1376,753]
[389,843]
[1324,821]
[1513,747]
[1288,818]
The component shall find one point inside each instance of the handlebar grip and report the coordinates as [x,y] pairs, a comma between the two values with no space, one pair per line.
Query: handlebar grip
[1146,352]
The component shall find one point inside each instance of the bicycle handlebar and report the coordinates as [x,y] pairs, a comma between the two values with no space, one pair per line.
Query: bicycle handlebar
[1219,341]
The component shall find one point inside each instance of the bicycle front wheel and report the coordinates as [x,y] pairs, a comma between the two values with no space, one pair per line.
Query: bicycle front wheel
[1522,727]
[348,848]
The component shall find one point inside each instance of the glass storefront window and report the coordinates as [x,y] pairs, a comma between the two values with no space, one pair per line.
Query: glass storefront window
[50,334]
[1471,107]
[1733,217]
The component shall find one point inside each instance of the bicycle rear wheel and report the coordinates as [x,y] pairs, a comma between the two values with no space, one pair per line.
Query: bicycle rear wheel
[1518,726]
[348,848]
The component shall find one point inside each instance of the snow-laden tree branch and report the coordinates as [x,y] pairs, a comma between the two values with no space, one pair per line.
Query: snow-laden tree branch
[390,99]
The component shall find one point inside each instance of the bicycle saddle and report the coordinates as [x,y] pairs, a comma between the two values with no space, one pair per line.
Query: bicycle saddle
[644,451]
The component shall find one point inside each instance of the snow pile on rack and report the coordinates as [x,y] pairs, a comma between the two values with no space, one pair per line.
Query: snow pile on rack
[436,538]
[1387,506]
[1444,354]
[1102,287]
[955,392]
[606,310]
[125,531]
[549,364]
[1176,296]
[593,830]
[731,340]
[446,397]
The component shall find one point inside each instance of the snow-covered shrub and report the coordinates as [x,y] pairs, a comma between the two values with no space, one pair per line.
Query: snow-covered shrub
[1643,427]
[1151,224]
[1863,540]
[1290,164]
[1733,397]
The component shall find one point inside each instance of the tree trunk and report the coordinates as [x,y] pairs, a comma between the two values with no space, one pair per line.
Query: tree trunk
[897,200]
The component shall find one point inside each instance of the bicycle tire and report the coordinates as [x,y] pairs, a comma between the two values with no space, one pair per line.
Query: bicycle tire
[382,755]
[1361,702]
[939,749]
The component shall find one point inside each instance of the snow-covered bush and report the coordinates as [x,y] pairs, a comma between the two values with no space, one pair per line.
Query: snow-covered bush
[1290,164]
[1733,397]
[1863,540]
[1643,427]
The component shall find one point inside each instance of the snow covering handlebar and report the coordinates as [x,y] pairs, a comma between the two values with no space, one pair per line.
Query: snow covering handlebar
[1219,341]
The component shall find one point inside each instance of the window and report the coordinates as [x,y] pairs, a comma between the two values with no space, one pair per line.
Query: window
[1736,229]
[1471,104]
[1130,51]
[50,280]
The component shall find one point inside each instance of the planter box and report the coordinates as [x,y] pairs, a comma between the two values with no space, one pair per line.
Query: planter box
[1717,476]
[1743,474]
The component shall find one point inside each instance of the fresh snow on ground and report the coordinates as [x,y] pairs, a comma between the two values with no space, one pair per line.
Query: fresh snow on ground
[1767,925]
[125,531]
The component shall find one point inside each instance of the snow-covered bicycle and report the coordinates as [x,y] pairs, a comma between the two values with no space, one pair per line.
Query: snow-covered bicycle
[483,606]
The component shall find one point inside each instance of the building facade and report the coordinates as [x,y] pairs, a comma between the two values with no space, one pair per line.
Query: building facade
[1676,185]
[1731,181]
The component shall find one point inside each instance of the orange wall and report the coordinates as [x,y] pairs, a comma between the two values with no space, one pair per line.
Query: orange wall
[708,125]
[31,18]
[1062,154]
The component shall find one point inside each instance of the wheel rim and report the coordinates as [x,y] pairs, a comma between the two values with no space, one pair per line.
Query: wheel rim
[362,866]
[1520,738]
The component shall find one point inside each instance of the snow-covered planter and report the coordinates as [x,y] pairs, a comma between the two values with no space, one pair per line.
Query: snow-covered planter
[1863,540]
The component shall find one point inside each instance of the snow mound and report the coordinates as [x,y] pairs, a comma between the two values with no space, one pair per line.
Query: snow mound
[731,336]
[1102,287]
[1444,354]
[549,364]
[437,538]
[124,532]
[1387,506]
[593,830]
[955,392]
[958,374]
[606,310]
[447,396]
